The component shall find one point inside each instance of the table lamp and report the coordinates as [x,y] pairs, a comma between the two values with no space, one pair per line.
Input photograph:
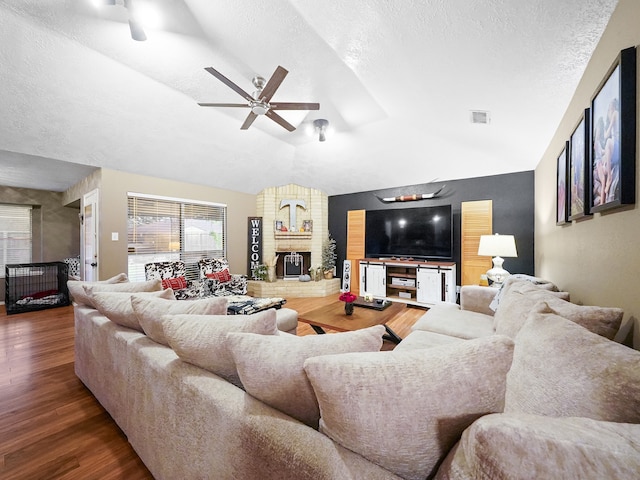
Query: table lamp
[497,246]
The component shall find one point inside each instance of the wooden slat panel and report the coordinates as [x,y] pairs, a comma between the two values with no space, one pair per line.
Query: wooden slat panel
[355,245]
[476,220]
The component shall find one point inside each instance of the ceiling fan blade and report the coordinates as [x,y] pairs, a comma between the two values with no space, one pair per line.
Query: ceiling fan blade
[248,121]
[279,120]
[240,105]
[229,83]
[273,83]
[294,106]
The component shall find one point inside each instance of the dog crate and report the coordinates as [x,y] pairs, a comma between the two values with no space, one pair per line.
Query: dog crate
[36,286]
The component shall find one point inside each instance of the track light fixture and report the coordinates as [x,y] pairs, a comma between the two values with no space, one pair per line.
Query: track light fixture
[321,125]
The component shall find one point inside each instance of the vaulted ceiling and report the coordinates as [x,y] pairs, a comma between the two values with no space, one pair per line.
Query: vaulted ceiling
[397,81]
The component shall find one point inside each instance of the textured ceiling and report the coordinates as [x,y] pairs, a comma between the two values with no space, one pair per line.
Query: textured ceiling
[396,80]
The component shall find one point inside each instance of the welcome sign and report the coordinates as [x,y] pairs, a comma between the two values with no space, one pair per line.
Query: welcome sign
[254,254]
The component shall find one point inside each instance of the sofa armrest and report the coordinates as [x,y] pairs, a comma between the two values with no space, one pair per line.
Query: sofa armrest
[477,298]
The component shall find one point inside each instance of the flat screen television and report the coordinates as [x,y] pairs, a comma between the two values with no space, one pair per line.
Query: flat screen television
[424,233]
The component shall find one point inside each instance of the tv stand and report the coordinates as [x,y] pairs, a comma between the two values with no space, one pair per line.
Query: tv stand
[415,282]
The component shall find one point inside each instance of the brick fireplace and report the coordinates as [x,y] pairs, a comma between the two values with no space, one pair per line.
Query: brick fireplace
[295,220]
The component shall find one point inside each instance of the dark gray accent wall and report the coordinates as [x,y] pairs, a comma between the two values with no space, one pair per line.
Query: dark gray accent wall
[513,211]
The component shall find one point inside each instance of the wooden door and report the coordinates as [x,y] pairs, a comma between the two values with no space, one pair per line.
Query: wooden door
[476,220]
[355,245]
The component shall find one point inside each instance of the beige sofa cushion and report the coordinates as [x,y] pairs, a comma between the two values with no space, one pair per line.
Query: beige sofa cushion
[518,300]
[151,312]
[271,367]
[202,339]
[116,306]
[405,410]
[520,446]
[76,288]
[448,319]
[126,287]
[560,369]
[420,339]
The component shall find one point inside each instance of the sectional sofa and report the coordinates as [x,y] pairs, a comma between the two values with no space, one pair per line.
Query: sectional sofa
[204,395]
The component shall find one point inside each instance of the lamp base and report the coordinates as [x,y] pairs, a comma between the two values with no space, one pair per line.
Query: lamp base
[497,274]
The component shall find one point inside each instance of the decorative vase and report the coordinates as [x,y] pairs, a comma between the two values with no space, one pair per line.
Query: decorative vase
[328,275]
[348,308]
[271,274]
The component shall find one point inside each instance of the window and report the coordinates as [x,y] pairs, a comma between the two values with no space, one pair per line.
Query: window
[15,235]
[165,229]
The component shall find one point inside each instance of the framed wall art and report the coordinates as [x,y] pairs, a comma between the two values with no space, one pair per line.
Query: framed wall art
[613,136]
[579,170]
[562,210]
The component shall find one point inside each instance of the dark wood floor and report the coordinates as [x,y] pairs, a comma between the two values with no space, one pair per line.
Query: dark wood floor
[51,427]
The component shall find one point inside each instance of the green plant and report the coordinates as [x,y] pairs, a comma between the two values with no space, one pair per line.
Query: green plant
[260,272]
[329,255]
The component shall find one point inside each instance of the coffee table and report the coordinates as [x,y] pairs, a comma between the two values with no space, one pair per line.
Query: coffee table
[332,316]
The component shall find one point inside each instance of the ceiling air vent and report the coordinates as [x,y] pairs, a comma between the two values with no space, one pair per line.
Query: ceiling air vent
[480,116]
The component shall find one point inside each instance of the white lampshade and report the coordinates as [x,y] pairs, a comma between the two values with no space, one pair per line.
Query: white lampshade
[497,246]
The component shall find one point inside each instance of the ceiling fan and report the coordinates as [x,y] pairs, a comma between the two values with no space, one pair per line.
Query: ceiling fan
[259,102]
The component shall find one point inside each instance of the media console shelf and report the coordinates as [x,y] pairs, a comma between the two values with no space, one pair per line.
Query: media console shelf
[409,281]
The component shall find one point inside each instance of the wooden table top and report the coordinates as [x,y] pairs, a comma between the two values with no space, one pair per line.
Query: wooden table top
[333,317]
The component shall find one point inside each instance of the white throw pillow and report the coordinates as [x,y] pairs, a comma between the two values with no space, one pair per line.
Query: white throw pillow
[202,339]
[127,287]
[151,312]
[116,306]
[271,367]
[76,288]
[405,410]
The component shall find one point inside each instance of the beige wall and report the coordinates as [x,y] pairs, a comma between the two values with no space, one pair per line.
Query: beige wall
[596,259]
[114,186]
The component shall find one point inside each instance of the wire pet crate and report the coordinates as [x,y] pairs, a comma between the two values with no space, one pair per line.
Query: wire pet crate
[36,286]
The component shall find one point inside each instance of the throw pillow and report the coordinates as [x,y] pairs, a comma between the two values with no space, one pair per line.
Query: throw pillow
[151,312]
[202,339]
[405,410]
[116,306]
[76,288]
[175,283]
[604,321]
[271,367]
[222,276]
[508,446]
[128,287]
[517,302]
[561,369]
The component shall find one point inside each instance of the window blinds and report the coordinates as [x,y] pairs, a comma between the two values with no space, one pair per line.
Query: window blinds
[162,229]
[15,235]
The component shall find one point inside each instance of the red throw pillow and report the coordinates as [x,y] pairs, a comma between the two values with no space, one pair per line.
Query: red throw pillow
[176,283]
[222,276]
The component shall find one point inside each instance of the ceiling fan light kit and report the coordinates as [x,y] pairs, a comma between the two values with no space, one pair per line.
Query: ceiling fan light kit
[321,125]
[259,102]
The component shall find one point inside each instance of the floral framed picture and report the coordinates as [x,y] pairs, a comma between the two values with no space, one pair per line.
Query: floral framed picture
[562,210]
[579,171]
[613,136]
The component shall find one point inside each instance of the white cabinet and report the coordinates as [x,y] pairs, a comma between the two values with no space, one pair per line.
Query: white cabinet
[436,284]
[414,282]
[429,284]
[373,279]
